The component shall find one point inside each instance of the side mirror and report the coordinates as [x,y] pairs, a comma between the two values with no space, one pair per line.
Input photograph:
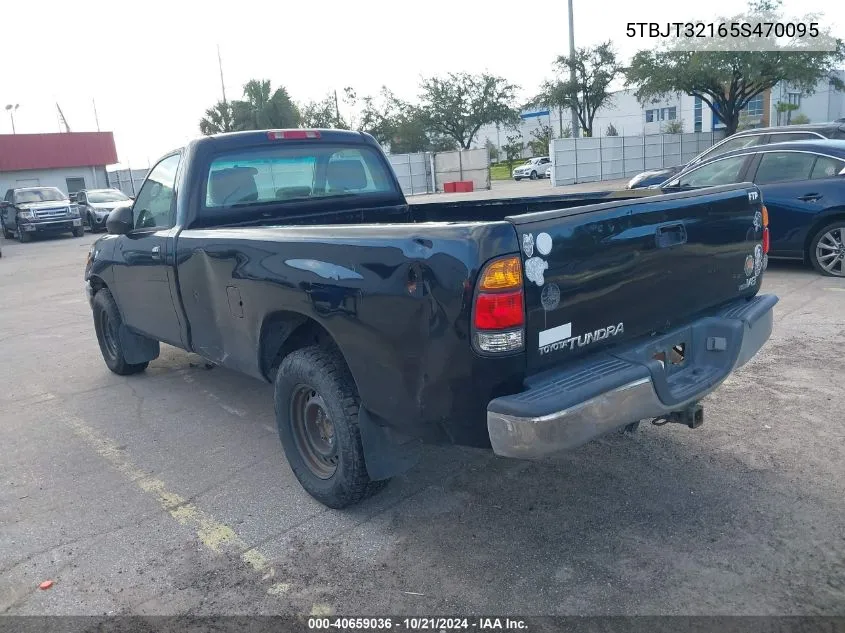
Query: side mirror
[120,221]
[72,197]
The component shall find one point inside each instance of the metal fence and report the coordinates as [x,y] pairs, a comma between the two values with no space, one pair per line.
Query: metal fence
[128,181]
[426,172]
[610,157]
[414,172]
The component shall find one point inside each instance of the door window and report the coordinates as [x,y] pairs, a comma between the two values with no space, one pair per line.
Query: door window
[724,171]
[74,184]
[826,167]
[784,166]
[738,142]
[784,137]
[154,206]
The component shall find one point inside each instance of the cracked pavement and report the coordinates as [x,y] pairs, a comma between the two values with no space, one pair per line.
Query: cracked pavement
[168,492]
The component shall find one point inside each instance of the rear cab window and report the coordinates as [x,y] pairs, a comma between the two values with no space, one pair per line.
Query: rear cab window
[294,175]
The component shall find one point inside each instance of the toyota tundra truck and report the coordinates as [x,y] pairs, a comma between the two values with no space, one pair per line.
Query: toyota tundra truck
[529,326]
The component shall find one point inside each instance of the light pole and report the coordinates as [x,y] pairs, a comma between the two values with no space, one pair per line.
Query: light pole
[572,68]
[11,109]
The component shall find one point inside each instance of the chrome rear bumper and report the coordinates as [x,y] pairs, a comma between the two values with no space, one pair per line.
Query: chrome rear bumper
[568,408]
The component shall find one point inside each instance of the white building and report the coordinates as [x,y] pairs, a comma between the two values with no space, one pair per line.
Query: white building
[630,118]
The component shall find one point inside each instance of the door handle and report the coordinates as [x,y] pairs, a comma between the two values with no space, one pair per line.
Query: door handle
[670,235]
[156,252]
[810,197]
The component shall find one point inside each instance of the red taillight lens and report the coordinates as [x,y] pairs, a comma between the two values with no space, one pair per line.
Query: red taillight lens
[499,311]
[292,135]
[766,241]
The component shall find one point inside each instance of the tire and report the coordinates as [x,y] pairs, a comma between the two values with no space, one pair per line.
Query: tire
[827,249]
[517,179]
[78,231]
[533,175]
[24,237]
[317,405]
[107,322]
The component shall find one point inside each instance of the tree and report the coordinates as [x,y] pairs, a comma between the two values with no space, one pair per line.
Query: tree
[459,104]
[262,108]
[541,139]
[674,127]
[727,75]
[218,119]
[322,114]
[595,69]
[513,149]
[611,130]
[785,107]
[492,151]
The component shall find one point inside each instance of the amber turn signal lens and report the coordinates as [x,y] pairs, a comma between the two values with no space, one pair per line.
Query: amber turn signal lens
[765,216]
[502,274]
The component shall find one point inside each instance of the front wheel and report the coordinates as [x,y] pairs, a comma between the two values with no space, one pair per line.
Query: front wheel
[317,407]
[24,237]
[107,322]
[78,231]
[533,175]
[517,178]
[827,250]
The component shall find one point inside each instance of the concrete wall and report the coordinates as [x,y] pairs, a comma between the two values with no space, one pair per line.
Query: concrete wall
[95,177]
[825,104]
[470,164]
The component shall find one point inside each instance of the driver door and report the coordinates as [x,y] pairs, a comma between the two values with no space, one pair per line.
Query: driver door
[144,263]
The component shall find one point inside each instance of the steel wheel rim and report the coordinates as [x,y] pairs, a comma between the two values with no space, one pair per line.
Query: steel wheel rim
[313,431]
[109,336]
[830,251]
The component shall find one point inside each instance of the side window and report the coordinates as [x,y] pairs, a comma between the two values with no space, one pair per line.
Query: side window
[739,142]
[154,205]
[720,172]
[783,137]
[826,167]
[784,166]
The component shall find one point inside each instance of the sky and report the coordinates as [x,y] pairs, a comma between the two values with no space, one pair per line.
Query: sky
[151,66]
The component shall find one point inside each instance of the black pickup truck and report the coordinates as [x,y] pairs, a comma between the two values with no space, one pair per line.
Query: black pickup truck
[527,325]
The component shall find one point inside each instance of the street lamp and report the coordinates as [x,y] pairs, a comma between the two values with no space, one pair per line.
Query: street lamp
[11,109]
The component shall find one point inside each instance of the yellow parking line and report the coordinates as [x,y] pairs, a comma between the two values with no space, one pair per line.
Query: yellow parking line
[212,533]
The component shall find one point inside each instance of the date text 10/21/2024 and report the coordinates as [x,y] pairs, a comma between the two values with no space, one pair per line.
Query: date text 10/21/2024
[418,624]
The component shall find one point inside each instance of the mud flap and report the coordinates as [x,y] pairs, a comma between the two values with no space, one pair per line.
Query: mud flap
[386,452]
[137,348]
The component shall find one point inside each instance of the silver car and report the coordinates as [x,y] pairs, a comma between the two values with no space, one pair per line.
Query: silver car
[96,204]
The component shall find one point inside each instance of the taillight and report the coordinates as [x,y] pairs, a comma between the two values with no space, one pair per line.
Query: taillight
[292,135]
[765,230]
[499,310]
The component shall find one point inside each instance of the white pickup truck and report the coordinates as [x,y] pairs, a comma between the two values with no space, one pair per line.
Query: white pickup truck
[533,168]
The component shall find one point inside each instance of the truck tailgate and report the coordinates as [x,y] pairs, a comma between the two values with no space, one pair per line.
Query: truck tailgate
[598,275]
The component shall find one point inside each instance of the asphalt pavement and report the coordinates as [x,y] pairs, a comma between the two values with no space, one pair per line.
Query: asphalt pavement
[168,492]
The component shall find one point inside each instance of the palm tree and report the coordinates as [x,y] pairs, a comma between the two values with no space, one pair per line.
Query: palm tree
[218,118]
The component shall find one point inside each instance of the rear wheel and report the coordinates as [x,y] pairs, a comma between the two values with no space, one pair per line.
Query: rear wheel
[107,322]
[317,415]
[827,250]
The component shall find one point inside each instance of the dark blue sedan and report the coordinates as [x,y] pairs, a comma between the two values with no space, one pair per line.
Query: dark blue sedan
[803,187]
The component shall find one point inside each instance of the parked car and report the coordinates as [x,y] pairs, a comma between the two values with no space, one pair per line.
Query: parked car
[533,168]
[548,171]
[803,188]
[96,204]
[292,256]
[29,211]
[740,140]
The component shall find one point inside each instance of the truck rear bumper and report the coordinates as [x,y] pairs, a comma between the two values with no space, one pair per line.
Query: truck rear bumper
[563,409]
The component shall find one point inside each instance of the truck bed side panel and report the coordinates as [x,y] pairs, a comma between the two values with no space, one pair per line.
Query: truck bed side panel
[396,300]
